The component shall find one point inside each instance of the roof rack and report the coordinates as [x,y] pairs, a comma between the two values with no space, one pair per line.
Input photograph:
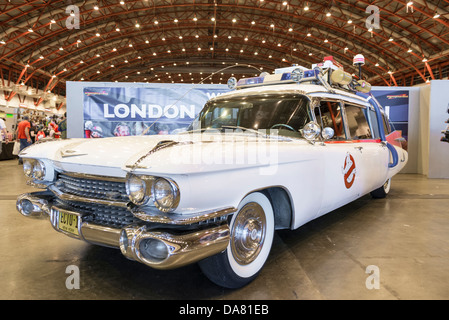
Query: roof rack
[328,73]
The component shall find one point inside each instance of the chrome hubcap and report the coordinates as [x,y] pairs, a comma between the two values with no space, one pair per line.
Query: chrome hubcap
[248,233]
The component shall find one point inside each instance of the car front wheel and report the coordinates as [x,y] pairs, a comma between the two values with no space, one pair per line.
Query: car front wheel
[251,237]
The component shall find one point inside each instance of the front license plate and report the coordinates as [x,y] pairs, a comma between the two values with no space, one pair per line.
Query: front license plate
[68,222]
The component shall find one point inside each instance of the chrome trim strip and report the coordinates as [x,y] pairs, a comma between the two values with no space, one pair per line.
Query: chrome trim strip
[70,197]
[93,177]
[100,235]
[156,216]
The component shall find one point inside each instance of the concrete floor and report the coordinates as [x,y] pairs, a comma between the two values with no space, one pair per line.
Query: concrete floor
[406,237]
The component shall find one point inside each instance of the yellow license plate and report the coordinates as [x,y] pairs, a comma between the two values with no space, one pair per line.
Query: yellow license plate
[68,222]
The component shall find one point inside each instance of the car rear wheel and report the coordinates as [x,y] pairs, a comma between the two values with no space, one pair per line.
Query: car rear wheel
[251,237]
[383,191]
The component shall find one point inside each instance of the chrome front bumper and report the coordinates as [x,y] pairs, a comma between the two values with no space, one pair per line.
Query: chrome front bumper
[157,248]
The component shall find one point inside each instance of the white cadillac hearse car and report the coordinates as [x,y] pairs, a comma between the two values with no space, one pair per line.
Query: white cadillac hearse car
[275,153]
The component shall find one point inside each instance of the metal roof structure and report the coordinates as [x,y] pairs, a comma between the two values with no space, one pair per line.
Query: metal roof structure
[44,43]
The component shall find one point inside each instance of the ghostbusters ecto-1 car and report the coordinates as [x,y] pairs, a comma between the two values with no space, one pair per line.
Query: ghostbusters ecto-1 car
[278,151]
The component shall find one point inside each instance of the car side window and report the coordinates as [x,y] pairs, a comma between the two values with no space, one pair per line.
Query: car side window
[328,114]
[357,123]
[374,123]
[387,127]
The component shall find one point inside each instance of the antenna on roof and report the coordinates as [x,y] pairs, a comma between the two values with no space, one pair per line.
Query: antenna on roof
[359,60]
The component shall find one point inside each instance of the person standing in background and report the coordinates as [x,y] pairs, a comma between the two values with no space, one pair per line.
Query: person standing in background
[3,133]
[63,126]
[23,134]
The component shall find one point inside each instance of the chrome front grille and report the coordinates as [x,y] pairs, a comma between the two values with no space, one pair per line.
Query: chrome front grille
[100,214]
[92,187]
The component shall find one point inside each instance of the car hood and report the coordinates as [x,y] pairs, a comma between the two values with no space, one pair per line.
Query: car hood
[168,154]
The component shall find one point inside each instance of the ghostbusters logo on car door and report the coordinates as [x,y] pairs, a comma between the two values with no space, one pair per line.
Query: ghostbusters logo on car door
[349,171]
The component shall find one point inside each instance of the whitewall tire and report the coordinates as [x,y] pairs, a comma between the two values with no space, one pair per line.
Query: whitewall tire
[251,238]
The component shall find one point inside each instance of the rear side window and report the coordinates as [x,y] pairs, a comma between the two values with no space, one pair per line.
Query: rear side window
[357,122]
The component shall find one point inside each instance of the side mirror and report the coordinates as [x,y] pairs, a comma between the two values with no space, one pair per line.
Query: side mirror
[328,133]
[311,131]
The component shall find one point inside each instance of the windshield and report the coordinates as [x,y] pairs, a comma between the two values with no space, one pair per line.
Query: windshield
[284,113]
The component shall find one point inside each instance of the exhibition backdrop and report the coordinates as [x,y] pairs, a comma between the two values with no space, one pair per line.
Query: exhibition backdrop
[103,109]
[438,150]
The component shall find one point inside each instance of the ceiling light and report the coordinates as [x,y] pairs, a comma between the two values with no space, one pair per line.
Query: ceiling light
[195,19]
[130,45]
[41,57]
[310,54]
[309,34]
[137,25]
[96,8]
[175,21]
[253,22]
[212,19]
[290,29]
[117,29]
[272,25]
[52,21]
[122,2]
[326,41]
[306,8]
[436,16]
[349,21]
[2,42]
[115,49]
[328,14]
[126,61]
[146,41]
[97,34]
[391,39]
[156,22]
[424,60]
[409,50]
[234,20]
[61,48]
[30,30]
[154,53]
[284,3]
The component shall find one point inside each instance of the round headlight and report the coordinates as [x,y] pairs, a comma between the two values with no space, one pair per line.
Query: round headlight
[166,194]
[28,167]
[39,170]
[136,189]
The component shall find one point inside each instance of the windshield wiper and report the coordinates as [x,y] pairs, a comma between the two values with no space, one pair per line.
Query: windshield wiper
[265,135]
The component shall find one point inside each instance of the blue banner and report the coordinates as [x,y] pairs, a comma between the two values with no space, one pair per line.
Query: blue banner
[158,109]
[396,105]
